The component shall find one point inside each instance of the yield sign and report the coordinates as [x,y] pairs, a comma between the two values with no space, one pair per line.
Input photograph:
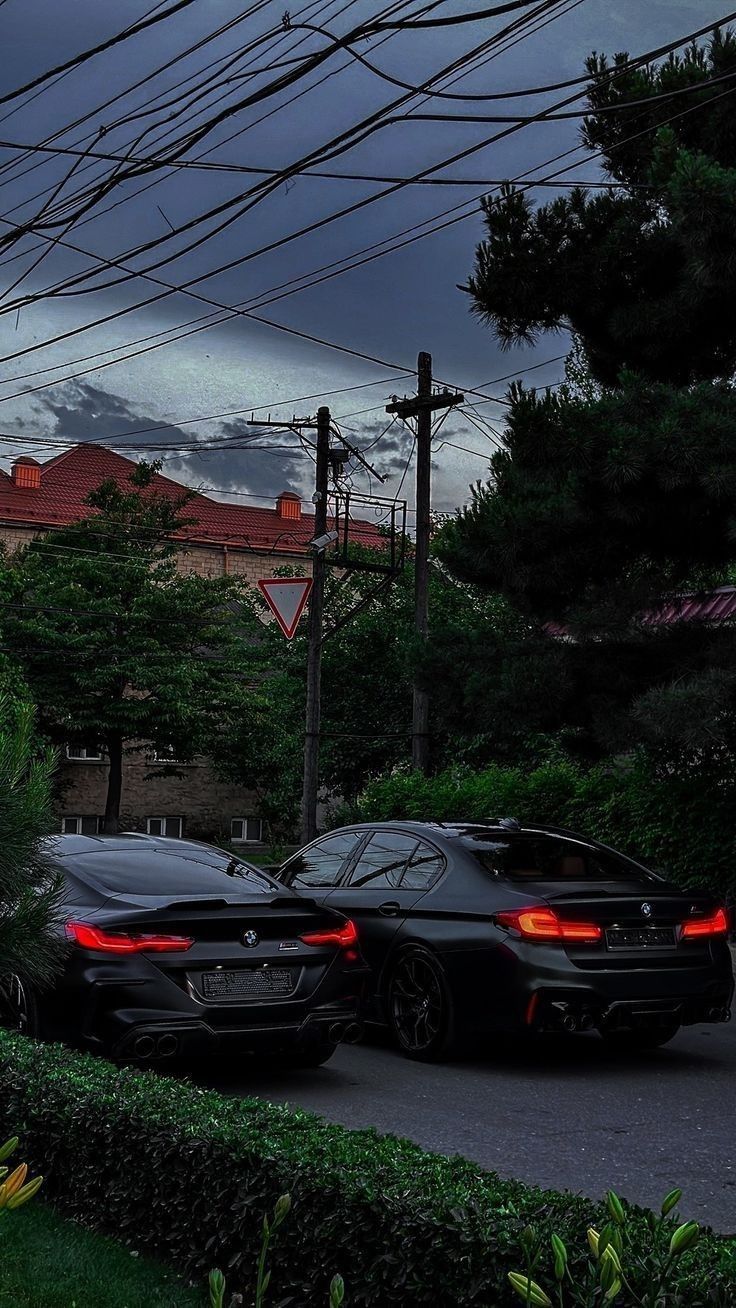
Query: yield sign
[286,597]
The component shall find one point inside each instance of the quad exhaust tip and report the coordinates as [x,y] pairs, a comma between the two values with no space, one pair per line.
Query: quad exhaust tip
[345,1032]
[165,1046]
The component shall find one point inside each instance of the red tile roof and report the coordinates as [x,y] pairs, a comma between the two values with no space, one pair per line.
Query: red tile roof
[713,606]
[67,480]
[717,606]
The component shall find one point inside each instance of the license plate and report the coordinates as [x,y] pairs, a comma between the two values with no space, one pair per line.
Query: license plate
[640,937]
[248,983]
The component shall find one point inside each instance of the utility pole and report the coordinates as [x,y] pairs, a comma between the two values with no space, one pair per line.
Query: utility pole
[422,409]
[314,655]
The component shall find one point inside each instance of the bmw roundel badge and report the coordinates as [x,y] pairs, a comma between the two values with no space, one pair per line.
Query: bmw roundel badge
[250,938]
[646,910]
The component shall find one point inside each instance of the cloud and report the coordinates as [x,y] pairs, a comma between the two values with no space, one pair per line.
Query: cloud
[82,412]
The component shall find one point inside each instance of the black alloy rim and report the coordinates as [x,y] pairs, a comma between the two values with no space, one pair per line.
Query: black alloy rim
[417,1005]
[13,1004]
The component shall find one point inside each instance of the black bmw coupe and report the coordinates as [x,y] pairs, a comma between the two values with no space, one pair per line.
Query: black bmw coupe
[177,948]
[496,927]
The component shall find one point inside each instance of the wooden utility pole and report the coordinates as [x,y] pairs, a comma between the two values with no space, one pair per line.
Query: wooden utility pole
[422,409]
[314,655]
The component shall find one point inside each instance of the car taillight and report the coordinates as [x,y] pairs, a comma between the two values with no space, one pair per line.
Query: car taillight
[342,936]
[544,924]
[123,942]
[715,925]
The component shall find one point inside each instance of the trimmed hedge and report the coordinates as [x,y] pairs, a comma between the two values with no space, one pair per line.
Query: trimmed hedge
[187,1174]
[682,823]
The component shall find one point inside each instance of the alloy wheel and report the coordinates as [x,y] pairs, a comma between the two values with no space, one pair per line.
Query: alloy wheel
[417,1004]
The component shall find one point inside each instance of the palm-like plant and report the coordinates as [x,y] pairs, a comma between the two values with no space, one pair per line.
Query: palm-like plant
[30,948]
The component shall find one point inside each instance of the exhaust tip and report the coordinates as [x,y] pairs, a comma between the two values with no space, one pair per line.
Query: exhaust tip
[353,1033]
[167,1046]
[336,1032]
[569,1023]
[143,1046]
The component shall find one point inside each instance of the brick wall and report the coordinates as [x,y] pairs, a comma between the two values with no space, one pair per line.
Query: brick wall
[206,804]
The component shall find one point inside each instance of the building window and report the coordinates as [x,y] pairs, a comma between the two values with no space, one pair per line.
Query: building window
[80,826]
[84,753]
[164,826]
[246,831]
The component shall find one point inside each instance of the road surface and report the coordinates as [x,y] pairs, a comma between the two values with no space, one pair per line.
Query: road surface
[572,1116]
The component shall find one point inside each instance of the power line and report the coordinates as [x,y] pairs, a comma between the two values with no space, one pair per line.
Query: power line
[77,60]
[185,286]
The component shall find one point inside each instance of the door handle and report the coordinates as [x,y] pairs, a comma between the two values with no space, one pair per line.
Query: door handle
[390,909]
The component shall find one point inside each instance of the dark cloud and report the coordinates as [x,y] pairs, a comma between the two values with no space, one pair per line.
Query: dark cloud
[82,412]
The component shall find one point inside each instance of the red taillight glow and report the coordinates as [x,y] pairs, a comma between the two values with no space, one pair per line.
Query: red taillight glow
[121,942]
[715,925]
[342,936]
[544,924]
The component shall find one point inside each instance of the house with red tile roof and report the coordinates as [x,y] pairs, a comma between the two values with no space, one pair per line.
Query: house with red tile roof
[225,538]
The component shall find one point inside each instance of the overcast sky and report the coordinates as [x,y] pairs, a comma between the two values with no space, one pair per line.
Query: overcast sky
[390,308]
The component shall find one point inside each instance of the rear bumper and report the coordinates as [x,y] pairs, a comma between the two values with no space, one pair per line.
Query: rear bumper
[581,1010]
[520,985]
[130,1011]
[148,1040]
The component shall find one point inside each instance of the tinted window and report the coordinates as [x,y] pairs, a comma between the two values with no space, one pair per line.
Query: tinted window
[553,858]
[321,865]
[383,861]
[147,871]
[425,868]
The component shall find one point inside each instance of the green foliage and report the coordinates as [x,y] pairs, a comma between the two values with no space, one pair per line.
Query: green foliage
[657,466]
[29,946]
[116,645]
[621,1253]
[618,492]
[644,276]
[187,1173]
[677,822]
[368,659]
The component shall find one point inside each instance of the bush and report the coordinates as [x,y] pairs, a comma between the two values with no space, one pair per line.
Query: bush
[678,822]
[186,1174]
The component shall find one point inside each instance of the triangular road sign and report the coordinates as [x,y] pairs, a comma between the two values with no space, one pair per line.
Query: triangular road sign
[286,598]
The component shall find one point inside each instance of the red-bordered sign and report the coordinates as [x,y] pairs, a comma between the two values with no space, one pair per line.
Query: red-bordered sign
[286,598]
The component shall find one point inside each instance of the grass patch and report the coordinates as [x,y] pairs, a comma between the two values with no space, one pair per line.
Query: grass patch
[49,1262]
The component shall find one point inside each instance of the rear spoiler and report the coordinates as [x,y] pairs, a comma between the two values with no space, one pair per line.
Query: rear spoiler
[278,902]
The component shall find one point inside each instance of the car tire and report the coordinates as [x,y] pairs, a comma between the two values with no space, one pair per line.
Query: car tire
[652,1037]
[419,1006]
[19,1010]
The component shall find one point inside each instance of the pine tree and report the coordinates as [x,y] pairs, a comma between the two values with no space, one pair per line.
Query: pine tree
[618,491]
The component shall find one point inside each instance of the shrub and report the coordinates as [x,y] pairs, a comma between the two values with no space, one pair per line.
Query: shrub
[678,822]
[186,1174]
[29,943]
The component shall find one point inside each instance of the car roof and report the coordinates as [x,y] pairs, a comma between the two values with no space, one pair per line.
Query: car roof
[494,827]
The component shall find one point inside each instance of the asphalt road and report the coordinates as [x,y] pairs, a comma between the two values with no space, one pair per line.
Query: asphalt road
[568,1116]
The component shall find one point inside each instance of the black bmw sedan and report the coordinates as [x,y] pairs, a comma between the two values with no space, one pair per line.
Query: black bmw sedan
[496,927]
[177,948]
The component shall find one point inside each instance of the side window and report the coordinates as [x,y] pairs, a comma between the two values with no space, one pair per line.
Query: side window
[425,869]
[321,865]
[383,861]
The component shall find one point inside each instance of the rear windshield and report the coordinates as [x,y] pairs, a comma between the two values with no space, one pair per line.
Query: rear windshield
[158,872]
[554,858]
